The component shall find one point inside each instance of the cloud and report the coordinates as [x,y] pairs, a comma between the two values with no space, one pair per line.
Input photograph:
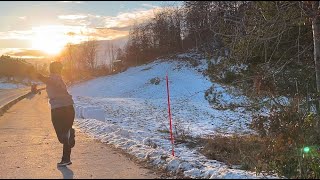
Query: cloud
[105,27]
[22,35]
[149,5]
[86,20]
[122,20]
[75,28]
[78,26]
[26,53]
[96,33]
[72,17]
[74,34]
[14,43]
[22,17]
[107,34]
[130,18]
[76,2]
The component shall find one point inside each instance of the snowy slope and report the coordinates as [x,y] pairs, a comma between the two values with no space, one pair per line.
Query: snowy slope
[6,85]
[129,111]
[11,86]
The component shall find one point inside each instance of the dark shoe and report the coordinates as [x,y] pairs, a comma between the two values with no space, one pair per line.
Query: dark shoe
[64,163]
[72,141]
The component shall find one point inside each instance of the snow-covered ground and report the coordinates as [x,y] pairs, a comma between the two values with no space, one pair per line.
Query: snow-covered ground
[130,112]
[6,85]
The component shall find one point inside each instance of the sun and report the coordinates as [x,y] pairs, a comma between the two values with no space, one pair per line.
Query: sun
[49,40]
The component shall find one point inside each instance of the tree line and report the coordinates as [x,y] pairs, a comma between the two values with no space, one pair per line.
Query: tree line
[274,41]
[14,67]
[81,61]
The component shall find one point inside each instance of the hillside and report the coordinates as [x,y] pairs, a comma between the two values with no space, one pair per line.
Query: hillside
[129,110]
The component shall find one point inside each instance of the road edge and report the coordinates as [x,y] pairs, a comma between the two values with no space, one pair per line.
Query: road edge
[7,106]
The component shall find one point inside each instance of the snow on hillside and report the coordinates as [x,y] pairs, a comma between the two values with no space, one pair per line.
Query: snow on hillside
[129,110]
[6,85]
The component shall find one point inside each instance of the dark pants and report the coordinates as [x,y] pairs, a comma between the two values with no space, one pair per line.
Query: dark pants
[62,120]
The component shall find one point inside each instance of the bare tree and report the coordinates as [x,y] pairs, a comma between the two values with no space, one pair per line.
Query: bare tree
[311,9]
[111,51]
[89,52]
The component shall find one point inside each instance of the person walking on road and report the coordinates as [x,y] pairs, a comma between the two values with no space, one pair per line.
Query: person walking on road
[62,110]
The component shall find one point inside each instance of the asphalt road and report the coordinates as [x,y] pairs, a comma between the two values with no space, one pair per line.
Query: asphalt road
[7,95]
[29,148]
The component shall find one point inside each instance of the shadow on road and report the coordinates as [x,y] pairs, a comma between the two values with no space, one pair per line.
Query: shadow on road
[30,96]
[66,172]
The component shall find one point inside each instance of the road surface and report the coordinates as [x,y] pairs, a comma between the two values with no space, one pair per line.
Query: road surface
[7,95]
[29,148]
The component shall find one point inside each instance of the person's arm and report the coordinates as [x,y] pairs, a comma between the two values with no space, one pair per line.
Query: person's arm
[33,74]
[42,78]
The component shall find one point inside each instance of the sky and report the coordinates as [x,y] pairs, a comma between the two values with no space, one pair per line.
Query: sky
[40,28]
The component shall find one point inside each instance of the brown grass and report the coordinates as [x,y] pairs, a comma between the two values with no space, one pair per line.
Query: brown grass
[234,150]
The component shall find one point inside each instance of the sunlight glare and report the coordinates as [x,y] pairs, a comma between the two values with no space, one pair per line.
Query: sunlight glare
[49,39]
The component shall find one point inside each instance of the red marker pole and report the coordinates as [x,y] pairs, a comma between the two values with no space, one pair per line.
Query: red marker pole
[169,111]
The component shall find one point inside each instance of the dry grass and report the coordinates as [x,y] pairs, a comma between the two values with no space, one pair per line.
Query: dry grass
[234,150]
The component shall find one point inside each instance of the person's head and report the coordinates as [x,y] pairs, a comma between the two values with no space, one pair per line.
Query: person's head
[56,67]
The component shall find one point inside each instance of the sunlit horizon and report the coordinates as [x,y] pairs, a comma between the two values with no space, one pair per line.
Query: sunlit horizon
[39,29]
[52,39]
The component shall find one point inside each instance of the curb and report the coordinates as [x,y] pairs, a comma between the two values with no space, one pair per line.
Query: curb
[5,107]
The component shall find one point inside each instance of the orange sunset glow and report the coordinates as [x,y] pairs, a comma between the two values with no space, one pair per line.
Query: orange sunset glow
[47,27]
[52,39]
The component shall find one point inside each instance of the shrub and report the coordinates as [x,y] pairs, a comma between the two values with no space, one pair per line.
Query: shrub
[230,77]
[286,132]
[155,81]
[279,147]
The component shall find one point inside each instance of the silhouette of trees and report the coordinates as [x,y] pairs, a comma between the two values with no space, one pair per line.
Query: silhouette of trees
[14,67]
